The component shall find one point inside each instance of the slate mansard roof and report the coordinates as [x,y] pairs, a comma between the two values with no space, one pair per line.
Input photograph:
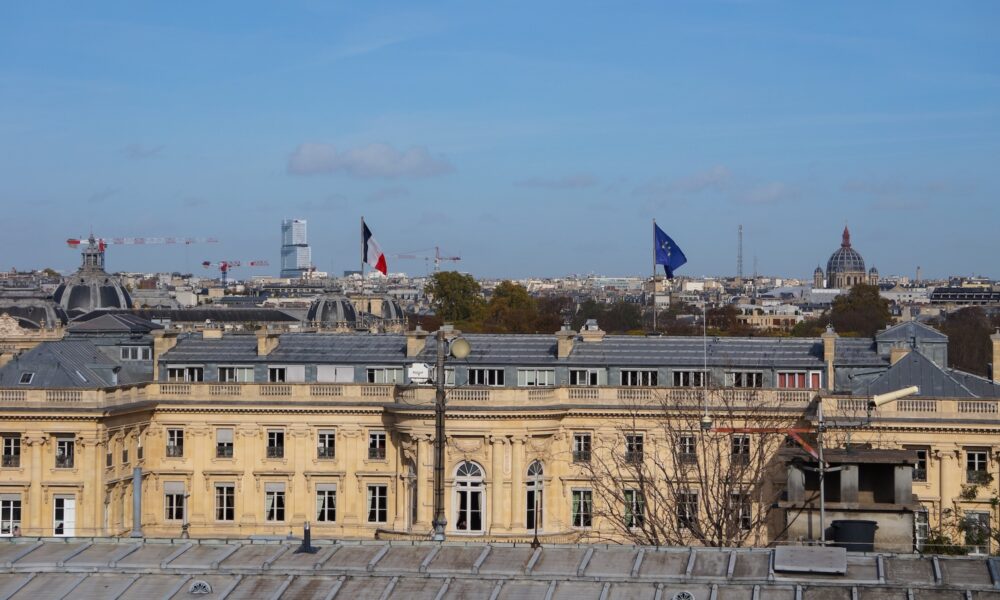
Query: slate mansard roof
[527,350]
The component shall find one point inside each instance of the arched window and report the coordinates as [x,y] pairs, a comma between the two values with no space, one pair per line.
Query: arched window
[534,502]
[469,488]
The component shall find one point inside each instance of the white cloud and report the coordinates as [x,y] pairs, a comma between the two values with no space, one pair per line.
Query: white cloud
[715,179]
[769,193]
[565,182]
[141,151]
[374,161]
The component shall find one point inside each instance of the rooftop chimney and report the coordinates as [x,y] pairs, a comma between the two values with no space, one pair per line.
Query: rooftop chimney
[830,354]
[416,340]
[995,338]
[163,340]
[267,341]
[564,341]
[591,331]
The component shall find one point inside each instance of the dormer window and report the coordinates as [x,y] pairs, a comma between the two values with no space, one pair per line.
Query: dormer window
[26,378]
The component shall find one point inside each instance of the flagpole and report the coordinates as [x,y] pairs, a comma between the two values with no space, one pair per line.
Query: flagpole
[362,254]
[654,275]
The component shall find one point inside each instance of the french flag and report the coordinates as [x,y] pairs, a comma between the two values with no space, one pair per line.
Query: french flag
[373,256]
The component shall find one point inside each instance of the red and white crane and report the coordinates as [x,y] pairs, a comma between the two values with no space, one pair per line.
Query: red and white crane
[75,243]
[224,266]
[425,254]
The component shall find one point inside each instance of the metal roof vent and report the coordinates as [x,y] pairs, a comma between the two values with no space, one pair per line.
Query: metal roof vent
[200,587]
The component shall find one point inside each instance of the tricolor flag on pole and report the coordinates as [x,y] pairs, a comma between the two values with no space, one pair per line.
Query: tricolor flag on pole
[371,253]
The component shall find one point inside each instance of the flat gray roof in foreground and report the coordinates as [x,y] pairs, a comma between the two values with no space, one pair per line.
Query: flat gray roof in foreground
[108,568]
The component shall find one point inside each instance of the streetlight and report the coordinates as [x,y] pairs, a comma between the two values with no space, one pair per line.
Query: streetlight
[460,349]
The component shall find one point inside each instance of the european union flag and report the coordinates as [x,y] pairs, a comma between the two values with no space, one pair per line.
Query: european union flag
[668,253]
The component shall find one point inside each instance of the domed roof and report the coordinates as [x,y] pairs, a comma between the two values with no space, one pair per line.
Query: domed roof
[845,259]
[331,309]
[91,287]
[391,309]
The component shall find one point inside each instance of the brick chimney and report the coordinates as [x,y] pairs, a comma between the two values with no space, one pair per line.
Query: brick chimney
[564,341]
[830,354]
[995,339]
[416,340]
[267,341]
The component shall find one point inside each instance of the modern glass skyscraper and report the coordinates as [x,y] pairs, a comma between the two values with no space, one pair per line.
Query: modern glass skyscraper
[296,256]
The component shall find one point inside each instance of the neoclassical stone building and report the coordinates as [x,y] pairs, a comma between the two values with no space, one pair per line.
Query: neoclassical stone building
[845,269]
[240,435]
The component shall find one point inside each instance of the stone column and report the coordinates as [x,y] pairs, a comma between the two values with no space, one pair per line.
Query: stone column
[399,481]
[34,504]
[425,479]
[201,451]
[302,446]
[500,509]
[251,499]
[352,500]
[849,483]
[517,483]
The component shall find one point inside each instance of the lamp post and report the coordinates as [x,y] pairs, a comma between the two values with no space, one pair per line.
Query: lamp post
[460,349]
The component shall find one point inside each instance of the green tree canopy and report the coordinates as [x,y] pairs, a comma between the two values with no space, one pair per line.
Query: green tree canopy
[968,332]
[862,311]
[511,309]
[456,297]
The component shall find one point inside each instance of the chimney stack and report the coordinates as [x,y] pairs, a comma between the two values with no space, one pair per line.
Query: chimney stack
[830,353]
[416,341]
[163,340]
[564,341]
[591,331]
[995,370]
[267,341]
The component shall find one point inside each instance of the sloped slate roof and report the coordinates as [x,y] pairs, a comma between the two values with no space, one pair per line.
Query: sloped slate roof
[532,350]
[114,323]
[980,386]
[70,364]
[908,330]
[916,369]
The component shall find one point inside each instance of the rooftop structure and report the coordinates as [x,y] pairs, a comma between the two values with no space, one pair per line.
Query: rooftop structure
[91,288]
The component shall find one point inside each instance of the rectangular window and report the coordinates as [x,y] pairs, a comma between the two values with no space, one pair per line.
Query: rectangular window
[274,502]
[326,444]
[185,374]
[798,379]
[225,502]
[921,526]
[109,459]
[687,509]
[65,450]
[173,500]
[977,466]
[385,375]
[920,468]
[689,378]
[175,443]
[745,379]
[490,377]
[276,374]
[642,378]
[125,455]
[334,374]
[376,445]
[378,503]
[581,447]
[326,502]
[275,443]
[10,514]
[236,374]
[633,447]
[687,450]
[224,442]
[584,376]
[583,508]
[741,509]
[635,509]
[26,378]
[739,452]
[136,352]
[11,450]
[535,377]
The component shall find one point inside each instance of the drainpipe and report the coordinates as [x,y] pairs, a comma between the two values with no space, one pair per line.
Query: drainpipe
[137,502]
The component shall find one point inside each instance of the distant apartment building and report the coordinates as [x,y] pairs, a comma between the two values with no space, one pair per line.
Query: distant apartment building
[296,255]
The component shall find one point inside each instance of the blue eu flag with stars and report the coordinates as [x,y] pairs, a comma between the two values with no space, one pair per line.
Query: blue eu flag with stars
[668,253]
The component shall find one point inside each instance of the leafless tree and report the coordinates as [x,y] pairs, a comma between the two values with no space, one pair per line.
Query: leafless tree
[693,466]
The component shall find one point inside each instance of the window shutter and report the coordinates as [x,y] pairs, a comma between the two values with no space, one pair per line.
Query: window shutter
[224,436]
[173,487]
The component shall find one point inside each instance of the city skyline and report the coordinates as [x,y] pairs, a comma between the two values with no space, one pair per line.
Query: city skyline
[533,142]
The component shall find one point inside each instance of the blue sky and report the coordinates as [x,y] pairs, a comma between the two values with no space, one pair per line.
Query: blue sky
[531,138]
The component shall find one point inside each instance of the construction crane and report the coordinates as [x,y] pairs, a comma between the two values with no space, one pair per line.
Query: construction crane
[224,266]
[424,254]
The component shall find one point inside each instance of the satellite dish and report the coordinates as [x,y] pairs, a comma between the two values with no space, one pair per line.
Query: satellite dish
[460,348]
[419,373]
